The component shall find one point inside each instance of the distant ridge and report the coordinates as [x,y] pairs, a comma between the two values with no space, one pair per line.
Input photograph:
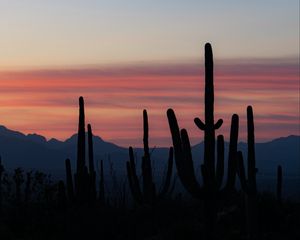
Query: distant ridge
[34,151]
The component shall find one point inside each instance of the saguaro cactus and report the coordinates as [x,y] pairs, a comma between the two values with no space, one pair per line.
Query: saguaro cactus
[212,173]
[209,126]
[148,195]
[249,185]
[81,174]
[85,177]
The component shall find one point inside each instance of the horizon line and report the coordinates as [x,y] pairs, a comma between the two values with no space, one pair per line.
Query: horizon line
[109,141]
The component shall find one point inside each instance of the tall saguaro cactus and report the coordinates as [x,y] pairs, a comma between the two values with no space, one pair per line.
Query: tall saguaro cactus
[212,173]
[148,195]
[81,166]
[81,138]
[249,185]
[209,126]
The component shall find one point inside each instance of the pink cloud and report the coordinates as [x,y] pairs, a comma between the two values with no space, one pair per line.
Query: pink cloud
[45,101]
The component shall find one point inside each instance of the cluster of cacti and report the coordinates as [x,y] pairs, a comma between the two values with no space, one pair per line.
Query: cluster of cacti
[148,194]
[84,187]
[212,171]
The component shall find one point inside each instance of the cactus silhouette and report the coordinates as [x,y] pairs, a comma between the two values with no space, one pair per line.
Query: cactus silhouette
[209,126]
[85,177]
[81,173]
[148,195]
[249,185]
[69,180]
[92,172]
[212,173]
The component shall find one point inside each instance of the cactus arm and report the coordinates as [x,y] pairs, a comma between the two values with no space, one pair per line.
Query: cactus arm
[167,181]
[182,150]
[187,167]
[132,177]
[218,124]
[220,161]
[199,124]
[176,139]
[241,171]
[91,150]
[92,172]
[234,129]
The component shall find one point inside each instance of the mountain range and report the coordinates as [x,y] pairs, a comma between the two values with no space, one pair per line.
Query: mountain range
[33,151]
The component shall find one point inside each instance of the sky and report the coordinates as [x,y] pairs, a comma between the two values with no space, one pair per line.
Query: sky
[124,56]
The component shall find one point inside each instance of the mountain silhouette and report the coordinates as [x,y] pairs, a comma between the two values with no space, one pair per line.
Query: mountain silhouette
[34,151]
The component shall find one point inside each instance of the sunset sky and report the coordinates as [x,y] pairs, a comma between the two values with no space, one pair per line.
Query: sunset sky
[124,56]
